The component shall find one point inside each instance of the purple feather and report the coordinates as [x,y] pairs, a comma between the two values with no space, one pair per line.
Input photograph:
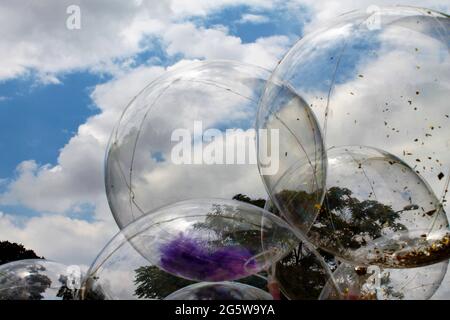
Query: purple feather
[193,259]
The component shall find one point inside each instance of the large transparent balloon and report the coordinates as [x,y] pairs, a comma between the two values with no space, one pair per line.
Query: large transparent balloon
[204,240]
[377,210]
[219,291]
[189,134]
[379,78]
[374,283]
[37,279]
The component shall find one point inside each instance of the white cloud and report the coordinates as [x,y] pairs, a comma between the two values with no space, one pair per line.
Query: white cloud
[253,18]
[58,238]
[203,7]
[47,78]
[213,43]
[35,36]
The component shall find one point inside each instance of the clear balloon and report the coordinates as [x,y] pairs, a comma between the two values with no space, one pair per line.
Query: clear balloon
[377,210]
[374,283]
[219,291]
[206,240]
[38,279]
[375,78]
[187,135]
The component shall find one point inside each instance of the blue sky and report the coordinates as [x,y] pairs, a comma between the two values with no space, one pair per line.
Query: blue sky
[277,22]
[37,120]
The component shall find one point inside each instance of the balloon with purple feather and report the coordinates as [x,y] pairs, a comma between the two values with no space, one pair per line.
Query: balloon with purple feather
[210,239]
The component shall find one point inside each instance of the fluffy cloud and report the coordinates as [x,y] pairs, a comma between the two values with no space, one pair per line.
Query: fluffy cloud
[35,37]
[203,7]
[215,43]
[59,238]
[253,18]
[47,46]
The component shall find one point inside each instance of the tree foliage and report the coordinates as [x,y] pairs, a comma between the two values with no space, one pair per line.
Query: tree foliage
[153,283]
[256,202]
[10,251]
[345,221]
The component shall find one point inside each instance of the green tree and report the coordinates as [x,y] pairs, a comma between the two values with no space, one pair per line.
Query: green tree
[301,275]
[10,251]
[243,198]
[153,283]
[347,222]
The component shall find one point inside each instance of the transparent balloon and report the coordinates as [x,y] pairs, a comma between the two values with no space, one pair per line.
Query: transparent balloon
[219,291]
[205,240]
[189,134]
[38,279]
[377,210]
[375,78]
[374,283]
